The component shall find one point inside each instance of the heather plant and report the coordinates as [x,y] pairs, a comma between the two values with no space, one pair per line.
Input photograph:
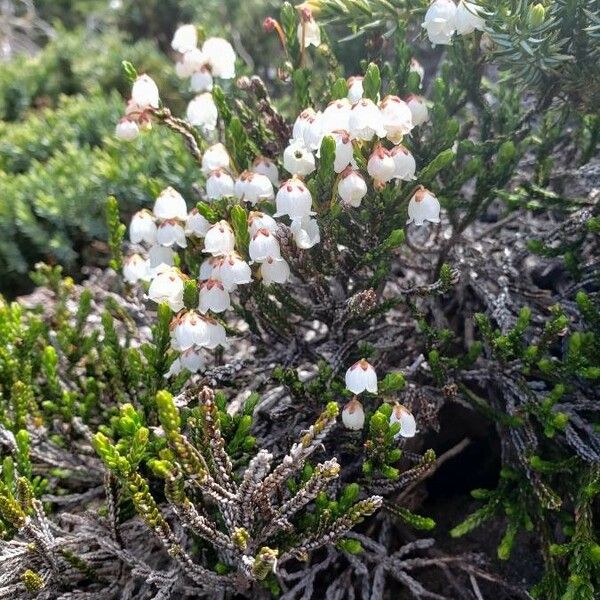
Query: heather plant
[383,247]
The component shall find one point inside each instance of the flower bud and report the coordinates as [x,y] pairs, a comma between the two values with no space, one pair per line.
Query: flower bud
[219,185]
[355,88]
[308,31]
[366,121]
[352,187]
[144,92]
[298,159]
[202,112]
[404,163]
[418,109]
[127,130]
[468,18]
[263,245]
[196,224]
[397,118]
[353,415]
[440,21]
[167,286]
[274,270]
[423,206]
[536,15]
[408,425]
[170,205]
[170,233]
[293,199]
[142,228]
[252,187]
[185,38]
[136,268]
[219,239]
[381,165]
[417,67]
[214,158]
[360,377]
[213,296]
[265,166]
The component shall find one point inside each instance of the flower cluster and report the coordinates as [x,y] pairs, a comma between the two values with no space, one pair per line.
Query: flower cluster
[444,18]
[362,377]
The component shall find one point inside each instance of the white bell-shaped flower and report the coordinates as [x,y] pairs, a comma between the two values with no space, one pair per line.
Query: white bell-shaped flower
[160,257]
[144,92]
[353,415]
[306,232]
[232,270]
[423,206]
[440,21]
[167,286]
[263,245]
[298,159]
[381,165]
[366,121]
[308,129]
[136,268]
[397,118]
[208,266]
[293,199]
[404,161]
[355,88]
[196,224]
[403,416]
[308,31]
[265,166]
[127,130]
[274,270]
[189,329]
[192,61]
[215,157]
[302,122]
[252,187]
[258,220]
[171,233]
[213,296]
[216,334]
[191,360]
[201,81]
[352,187]
[219,239]
[417,67]
[468,18]
[219,184]
[344,151]
[418,109]
[221,57]
[185,38]
[142,228]
[361,377]
[170,205]
[202,112]
[336,116]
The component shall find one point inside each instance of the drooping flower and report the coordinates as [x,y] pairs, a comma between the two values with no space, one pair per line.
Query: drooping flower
[336,116]
[127,130]
[344,151]
[136,268]
[189,329]
[360,377]
[160,257]
[418,109]
[219,184]
[298,159]
[408,425]
[170,205]
[216,334]
[258,220]
[202,112]
[232,270]
[265,166]
[404,161]
[293,199]
[263,245]
[196,224]
[355,88]
[381,165]
[185,38]
[274,270]
[306,232]
[142,228]
[366,121]
[352,187]
[219,239]
[171,233]
[468,18]
[423,206]
[192,61]
[201,80]
[167,286]
[144,92]
[215,157]
[221,57]
[308,31]
[397,118]
[207,267]
[191,360]
[353,415]
[213,296]
[252,187]
[440,21]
